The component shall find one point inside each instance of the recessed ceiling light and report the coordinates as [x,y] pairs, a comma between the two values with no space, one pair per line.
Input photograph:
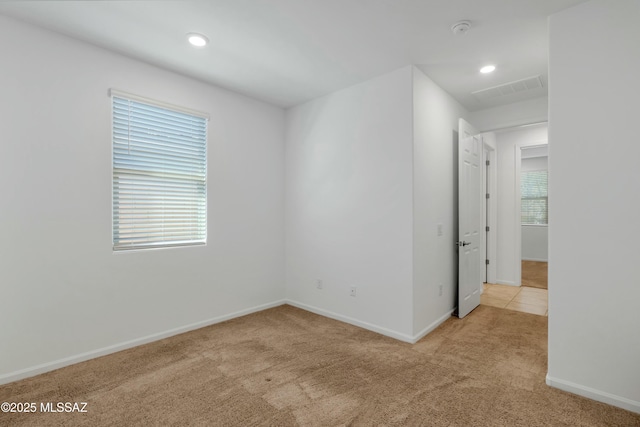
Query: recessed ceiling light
[487,69]
[197,40]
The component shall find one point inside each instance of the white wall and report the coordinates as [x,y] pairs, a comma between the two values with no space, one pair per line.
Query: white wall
[349,204]
[64,292]
[594,289]
[535,243]
[435,166]
[533,163]
[511,115]
[534,158]
[508,222]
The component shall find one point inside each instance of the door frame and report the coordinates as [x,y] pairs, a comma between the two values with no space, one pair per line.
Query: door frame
[518,196]
[491,206]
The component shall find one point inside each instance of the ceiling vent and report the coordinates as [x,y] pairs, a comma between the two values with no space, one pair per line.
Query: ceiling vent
[509,88]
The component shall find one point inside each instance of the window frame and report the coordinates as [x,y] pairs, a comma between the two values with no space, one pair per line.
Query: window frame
[202,201]
[545,198]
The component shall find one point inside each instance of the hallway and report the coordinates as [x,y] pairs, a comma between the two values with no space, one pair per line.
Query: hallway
[518,298]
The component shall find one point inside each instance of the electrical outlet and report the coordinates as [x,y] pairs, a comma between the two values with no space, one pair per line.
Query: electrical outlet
[319,283]
[440,290]
[352,291]
[440,229]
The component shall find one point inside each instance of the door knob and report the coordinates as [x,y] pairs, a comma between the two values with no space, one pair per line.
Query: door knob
[463,243]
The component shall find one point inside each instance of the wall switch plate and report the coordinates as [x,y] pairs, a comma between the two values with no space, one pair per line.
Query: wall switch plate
[440,290]
[352,291]
[440,229]
[319,284]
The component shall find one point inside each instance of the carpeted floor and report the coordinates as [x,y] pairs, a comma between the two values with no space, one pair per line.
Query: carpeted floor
[285,367]
[534,274]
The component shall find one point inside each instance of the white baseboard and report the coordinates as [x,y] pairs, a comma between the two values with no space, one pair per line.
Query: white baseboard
[371,327]
[506,282]
[365,325]
[535,259]
[71,360]
[600,396]
[432,326]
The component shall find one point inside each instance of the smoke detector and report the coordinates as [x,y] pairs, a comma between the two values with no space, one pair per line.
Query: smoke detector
[461,28]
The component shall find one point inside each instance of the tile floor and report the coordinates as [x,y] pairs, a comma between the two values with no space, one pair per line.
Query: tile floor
[518,298]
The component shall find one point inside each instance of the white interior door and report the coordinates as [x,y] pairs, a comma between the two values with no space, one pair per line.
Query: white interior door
[469,218]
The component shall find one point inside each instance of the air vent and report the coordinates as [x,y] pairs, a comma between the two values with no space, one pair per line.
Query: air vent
[509,88]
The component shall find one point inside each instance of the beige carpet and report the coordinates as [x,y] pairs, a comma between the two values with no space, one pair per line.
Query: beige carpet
[534,274]
[285,367]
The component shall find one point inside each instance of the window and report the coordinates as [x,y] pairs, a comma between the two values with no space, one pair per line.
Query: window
[159,174]
[534,199]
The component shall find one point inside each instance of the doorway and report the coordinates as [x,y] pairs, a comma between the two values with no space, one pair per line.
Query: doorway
[534,215]
[505,289]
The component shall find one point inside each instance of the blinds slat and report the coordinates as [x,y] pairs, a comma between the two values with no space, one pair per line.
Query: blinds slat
[163,176]
[197,186]
[143,164]
[158,151]
[135,131]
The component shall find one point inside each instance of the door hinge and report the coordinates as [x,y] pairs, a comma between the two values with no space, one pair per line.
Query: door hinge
[486,228]
[488,163]
[487,195]
[486,261]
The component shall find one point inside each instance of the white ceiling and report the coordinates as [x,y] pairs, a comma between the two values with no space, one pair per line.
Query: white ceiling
[287,52]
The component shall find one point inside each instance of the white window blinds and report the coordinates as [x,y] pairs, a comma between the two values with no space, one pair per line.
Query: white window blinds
[534,199]
[159,175]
